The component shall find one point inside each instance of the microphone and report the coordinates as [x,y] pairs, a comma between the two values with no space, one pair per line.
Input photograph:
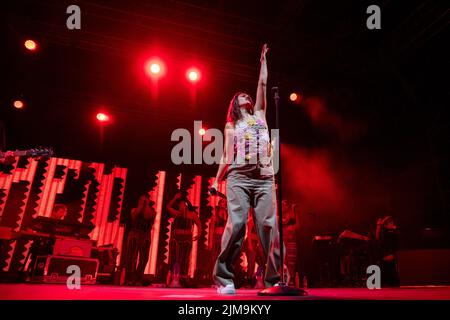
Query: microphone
[214,192]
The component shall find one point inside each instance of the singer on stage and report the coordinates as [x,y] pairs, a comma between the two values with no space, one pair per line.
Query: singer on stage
[247,164]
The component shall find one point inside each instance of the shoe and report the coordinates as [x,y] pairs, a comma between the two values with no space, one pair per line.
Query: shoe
[228,289]
[146,283]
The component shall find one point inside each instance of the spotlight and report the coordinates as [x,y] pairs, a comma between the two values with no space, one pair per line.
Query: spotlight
[102,117]
[18,104]
[193,75]
[293,97]
[201,132]
[154,68]
[30,45]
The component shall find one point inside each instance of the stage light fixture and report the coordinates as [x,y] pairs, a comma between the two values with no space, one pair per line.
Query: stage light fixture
[30,45]
[154,68]
[102,117]
[193,75]
[18,104]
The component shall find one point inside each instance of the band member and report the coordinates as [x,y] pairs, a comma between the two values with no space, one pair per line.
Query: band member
[59,212]
[45,245]
[138,240]
[386,236]
[182,233]
[250,183]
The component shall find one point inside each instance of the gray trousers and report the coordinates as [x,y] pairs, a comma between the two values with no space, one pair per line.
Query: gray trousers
[242,193]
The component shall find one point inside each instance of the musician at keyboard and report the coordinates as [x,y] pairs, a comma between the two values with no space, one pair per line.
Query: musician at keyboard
[45,230]
[59,212]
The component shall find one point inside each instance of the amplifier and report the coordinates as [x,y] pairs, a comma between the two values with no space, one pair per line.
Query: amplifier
[72,247]
[53,269]
[107,257]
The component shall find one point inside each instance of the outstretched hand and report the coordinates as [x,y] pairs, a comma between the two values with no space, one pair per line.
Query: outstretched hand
[214,188]
[264,50]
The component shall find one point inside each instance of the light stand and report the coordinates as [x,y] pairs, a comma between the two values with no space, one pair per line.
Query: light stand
[281,288]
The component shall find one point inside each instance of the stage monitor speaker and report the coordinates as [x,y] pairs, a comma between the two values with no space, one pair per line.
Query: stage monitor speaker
[424,267]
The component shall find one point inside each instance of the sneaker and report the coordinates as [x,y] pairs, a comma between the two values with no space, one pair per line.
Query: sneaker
[228,289]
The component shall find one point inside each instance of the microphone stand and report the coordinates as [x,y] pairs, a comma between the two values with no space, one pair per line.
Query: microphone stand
[281,288]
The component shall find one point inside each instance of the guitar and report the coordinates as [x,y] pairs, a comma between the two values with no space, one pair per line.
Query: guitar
[35,152]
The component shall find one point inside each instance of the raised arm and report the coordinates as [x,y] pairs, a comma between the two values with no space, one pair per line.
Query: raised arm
[226,155]
[170,208]
[261,96]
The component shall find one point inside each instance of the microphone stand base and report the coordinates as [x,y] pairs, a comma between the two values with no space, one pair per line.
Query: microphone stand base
[281,289]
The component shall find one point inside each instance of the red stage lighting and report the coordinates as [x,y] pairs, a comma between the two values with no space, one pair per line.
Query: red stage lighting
[193,75]
[102,117]
[30,45]
[201,132]
[18,104]
[154,68]
[296,97]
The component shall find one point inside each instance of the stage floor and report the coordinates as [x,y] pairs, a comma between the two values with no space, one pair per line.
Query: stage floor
[103,292]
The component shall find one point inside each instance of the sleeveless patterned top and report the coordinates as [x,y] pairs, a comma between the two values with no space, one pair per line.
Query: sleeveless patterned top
[252,148]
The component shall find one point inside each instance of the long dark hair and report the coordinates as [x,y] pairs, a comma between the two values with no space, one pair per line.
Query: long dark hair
[234,112]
